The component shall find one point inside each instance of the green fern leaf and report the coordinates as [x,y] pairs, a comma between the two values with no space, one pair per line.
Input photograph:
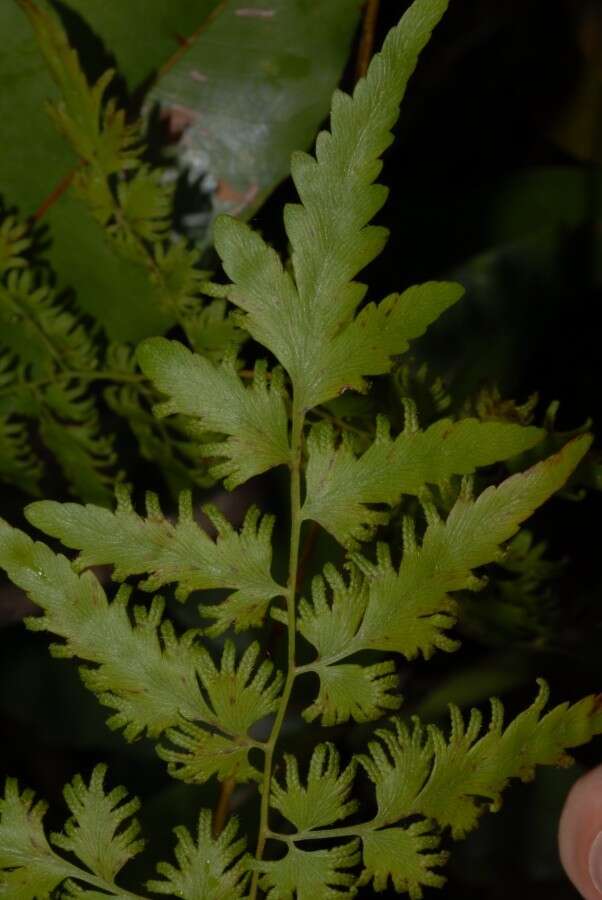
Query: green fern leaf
[39,328]
[306,876]
[309,326]
[143,671]
[409,610]
[340,486]
[29,869]
[195,755]
[18,465]
[96,834]
[238,698]
[212,332]
[253,418]
[166,552]
[14,241]
[362,693]
[208,867]
[449,780]
[86,456]
[398,854]
[325,798]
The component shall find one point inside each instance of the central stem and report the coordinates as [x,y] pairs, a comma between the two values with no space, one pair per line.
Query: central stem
[296,452]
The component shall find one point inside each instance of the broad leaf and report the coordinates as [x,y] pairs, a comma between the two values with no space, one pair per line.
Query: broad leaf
[288,56]
[254,418]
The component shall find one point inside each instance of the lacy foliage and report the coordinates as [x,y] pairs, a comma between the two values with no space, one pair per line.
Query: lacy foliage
[218,713]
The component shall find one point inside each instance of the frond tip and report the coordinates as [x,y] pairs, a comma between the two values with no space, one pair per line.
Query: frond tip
[453,780]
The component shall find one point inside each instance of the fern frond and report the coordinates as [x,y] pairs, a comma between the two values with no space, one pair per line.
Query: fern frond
[341,486]
[325,798]
[409,611]
[239,696]
[309,323]
[399,854]
[70,428]
[28,866]
[306,875]
[131,200]
[451,779]
[212,331]
[357,692]
[208,867]
[18,465]
[39,328]
[214,397]
[96,835]
[14,241]
[143,671]
[168,552]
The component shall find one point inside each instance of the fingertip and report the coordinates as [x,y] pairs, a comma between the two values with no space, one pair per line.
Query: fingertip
[580,835]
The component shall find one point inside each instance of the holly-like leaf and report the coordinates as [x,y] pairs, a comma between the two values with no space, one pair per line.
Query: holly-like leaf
[454,780]
[166,552]
[208,867]
[399,854]
[254,418]
[305,876]
[325,797]
[341,486]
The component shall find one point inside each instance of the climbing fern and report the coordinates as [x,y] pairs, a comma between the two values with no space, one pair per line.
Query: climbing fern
[219,709]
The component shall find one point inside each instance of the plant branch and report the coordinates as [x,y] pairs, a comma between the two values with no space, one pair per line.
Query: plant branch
[366,47]
[298,417]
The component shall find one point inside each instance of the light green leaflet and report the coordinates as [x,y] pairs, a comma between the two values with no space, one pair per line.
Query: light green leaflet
[254,418]
[341,486]
[153,680]
[409,610]
[102,835]
[307,318]
[166,551]
[454,779]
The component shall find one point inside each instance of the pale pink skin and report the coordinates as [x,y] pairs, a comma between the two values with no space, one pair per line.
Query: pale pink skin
[580,823]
